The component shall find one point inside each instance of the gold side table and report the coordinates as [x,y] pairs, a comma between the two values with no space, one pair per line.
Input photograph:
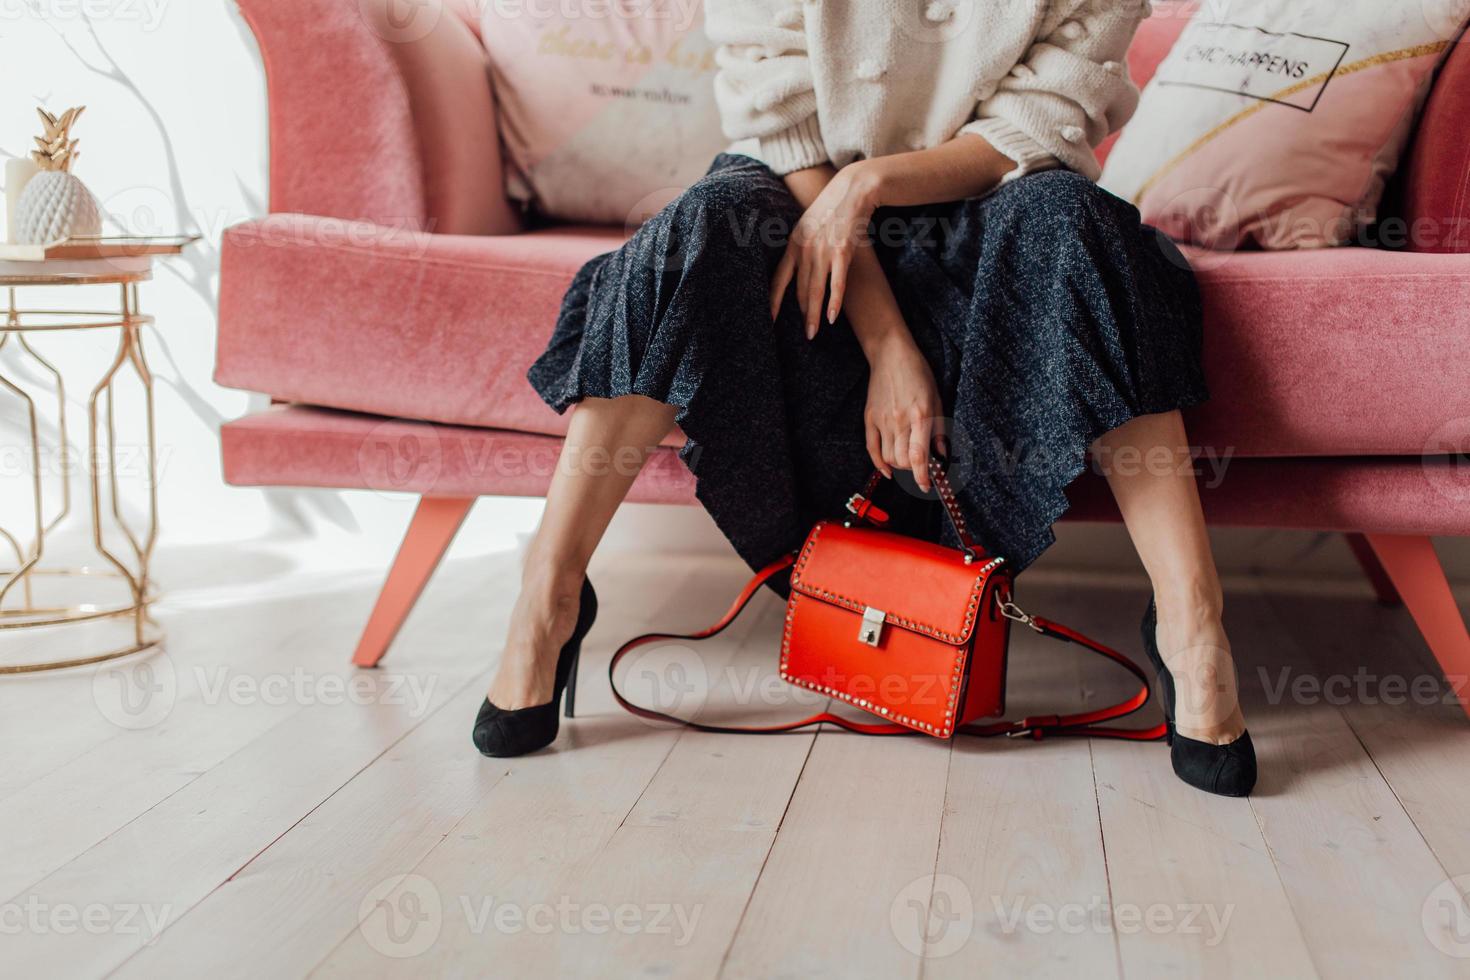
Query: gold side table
[122,553]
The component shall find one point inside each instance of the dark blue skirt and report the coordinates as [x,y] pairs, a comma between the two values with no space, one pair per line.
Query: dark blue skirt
[1049,313]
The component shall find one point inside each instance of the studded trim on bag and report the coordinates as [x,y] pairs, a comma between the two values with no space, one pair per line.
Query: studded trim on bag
[972,606]
[951,692]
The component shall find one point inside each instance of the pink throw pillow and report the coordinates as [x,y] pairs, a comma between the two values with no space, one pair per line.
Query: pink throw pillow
[1277,124]
[607,107]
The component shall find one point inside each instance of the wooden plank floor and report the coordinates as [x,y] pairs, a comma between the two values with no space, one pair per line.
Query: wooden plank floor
[285,816]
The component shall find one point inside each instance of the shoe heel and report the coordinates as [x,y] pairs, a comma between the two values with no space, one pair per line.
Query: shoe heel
[570,709]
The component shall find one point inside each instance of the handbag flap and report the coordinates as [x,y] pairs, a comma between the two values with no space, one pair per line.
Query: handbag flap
[919,586]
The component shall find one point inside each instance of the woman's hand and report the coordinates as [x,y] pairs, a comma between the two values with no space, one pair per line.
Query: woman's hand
[904,410]
[820,250]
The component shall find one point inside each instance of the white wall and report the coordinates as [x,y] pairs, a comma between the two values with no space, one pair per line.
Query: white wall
[174,139]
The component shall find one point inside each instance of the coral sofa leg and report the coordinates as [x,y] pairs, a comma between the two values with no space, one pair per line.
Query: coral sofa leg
[1414,567]
[434,525]
[1374,570]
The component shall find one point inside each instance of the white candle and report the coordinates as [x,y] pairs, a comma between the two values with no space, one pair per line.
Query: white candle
[17,172]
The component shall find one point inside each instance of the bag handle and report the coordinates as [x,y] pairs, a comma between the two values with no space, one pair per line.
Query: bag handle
[861,506]
[1082,723]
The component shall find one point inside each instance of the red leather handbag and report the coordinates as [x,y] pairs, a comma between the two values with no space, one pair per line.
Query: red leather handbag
[912,632]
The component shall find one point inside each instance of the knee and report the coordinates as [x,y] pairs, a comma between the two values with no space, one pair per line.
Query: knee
[1062,186]
[740,205]
[1058,212]
[1069,199]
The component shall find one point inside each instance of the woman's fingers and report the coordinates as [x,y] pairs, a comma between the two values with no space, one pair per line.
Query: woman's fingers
[875,450]
[840,263]
[898,444]
[887,435]
[918,448]
[803,270]
[941,437]
[781,280]
[816,288]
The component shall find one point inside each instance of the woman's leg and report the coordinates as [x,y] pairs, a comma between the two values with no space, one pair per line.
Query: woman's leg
[1148,467]
[607,443]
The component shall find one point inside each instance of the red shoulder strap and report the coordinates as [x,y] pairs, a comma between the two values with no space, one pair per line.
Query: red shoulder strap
[1085,723]
[741,601]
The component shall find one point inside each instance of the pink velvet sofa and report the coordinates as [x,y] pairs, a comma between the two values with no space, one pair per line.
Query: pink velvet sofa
[393,299]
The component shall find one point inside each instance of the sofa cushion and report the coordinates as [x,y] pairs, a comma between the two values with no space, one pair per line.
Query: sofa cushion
[1433,184]
[303,446]
[1151,45]
[446,76]
[1437,176]
[1345,351]
[300,446]
[606,113]
[375,319]
[1326,352]
[1278,125]
[380,111]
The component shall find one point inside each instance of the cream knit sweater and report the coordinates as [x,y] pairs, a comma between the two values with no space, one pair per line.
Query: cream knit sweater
[840,80]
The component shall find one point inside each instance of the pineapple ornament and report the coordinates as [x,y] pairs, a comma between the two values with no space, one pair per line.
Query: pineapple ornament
[55,205]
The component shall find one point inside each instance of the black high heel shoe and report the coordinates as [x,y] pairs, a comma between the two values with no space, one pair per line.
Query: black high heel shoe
[500,733]
[1228,770]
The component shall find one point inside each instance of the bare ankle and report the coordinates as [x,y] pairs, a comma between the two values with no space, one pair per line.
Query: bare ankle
[1196,650]
[543,619]
[549,592]
[1190,614]
[549,577]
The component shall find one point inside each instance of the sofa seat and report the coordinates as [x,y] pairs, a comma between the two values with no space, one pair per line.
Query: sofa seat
[1314,353]
[303,446]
